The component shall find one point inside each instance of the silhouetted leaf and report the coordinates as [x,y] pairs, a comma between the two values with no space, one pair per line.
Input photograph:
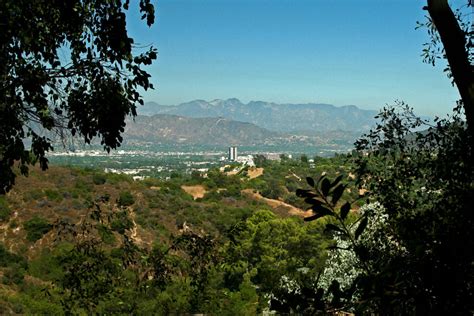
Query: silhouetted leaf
[336,181]
[325,186]
[332,227]
[323,176]
[313,201]
[345,210]
[320,209]
[310,181]
[305,193]
[337,193]
[361,227]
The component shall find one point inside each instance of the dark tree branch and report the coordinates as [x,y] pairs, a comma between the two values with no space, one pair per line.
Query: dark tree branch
[454,42]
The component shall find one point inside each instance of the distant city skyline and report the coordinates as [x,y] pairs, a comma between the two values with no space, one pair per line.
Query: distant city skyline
[365,53]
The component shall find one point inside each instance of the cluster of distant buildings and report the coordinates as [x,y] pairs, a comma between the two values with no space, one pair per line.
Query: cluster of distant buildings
[232,153]
[249,159]
[245,160]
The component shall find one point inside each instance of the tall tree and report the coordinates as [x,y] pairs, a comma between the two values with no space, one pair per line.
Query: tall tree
[424,184]
[457,43]
[66,66]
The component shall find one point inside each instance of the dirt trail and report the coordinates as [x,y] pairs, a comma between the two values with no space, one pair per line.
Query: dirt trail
[197,191]
[138,234]
[134,233]
[5,228]
[292,210]
[254,172]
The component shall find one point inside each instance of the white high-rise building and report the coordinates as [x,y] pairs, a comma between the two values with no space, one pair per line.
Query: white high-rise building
[233,153]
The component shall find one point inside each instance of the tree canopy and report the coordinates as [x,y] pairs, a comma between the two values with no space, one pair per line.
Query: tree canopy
[66,66]
[456,36]
[421,175]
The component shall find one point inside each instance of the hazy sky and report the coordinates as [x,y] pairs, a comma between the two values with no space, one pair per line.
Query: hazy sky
[361,52]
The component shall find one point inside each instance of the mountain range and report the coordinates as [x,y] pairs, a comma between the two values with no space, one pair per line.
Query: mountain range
[166,129]
[284,118]
[173,129]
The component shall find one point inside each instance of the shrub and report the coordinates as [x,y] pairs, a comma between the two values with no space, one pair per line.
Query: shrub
[121,223]
[5,211]
[36,228]
[99,178]
[8,259]
[114,178]
[46,266]
[53,195]
[125,199]
[13,275]
[106,234]
[83,186]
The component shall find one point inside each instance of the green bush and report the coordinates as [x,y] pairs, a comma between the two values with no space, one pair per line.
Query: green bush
[83,186]
[46,266]
[114,178]
[36,228]
[16,266]
[106,234]
[8,259]
[121,223]
[99,178]
[125,199]
[13,275]
[5,211]
[53,195]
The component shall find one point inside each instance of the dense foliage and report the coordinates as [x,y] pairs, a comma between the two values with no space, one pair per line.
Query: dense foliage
[86,241]
[65,66]
[425,182]
[403,255]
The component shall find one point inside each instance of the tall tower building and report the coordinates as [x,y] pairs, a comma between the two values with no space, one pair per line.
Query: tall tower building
[233,153]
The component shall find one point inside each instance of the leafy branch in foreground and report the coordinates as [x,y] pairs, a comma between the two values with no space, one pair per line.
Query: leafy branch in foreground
[325,201]
[72,68]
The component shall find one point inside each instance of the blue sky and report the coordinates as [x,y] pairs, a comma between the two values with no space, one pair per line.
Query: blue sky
[361,52]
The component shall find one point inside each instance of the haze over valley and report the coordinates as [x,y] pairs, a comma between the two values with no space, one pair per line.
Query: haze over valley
[196,135]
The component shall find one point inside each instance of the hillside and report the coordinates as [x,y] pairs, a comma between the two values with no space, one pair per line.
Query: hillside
[109,237]
[275,117]
[172,129]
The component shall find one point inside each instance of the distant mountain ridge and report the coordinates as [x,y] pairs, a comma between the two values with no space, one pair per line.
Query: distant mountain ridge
[291,118]
[173,129]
